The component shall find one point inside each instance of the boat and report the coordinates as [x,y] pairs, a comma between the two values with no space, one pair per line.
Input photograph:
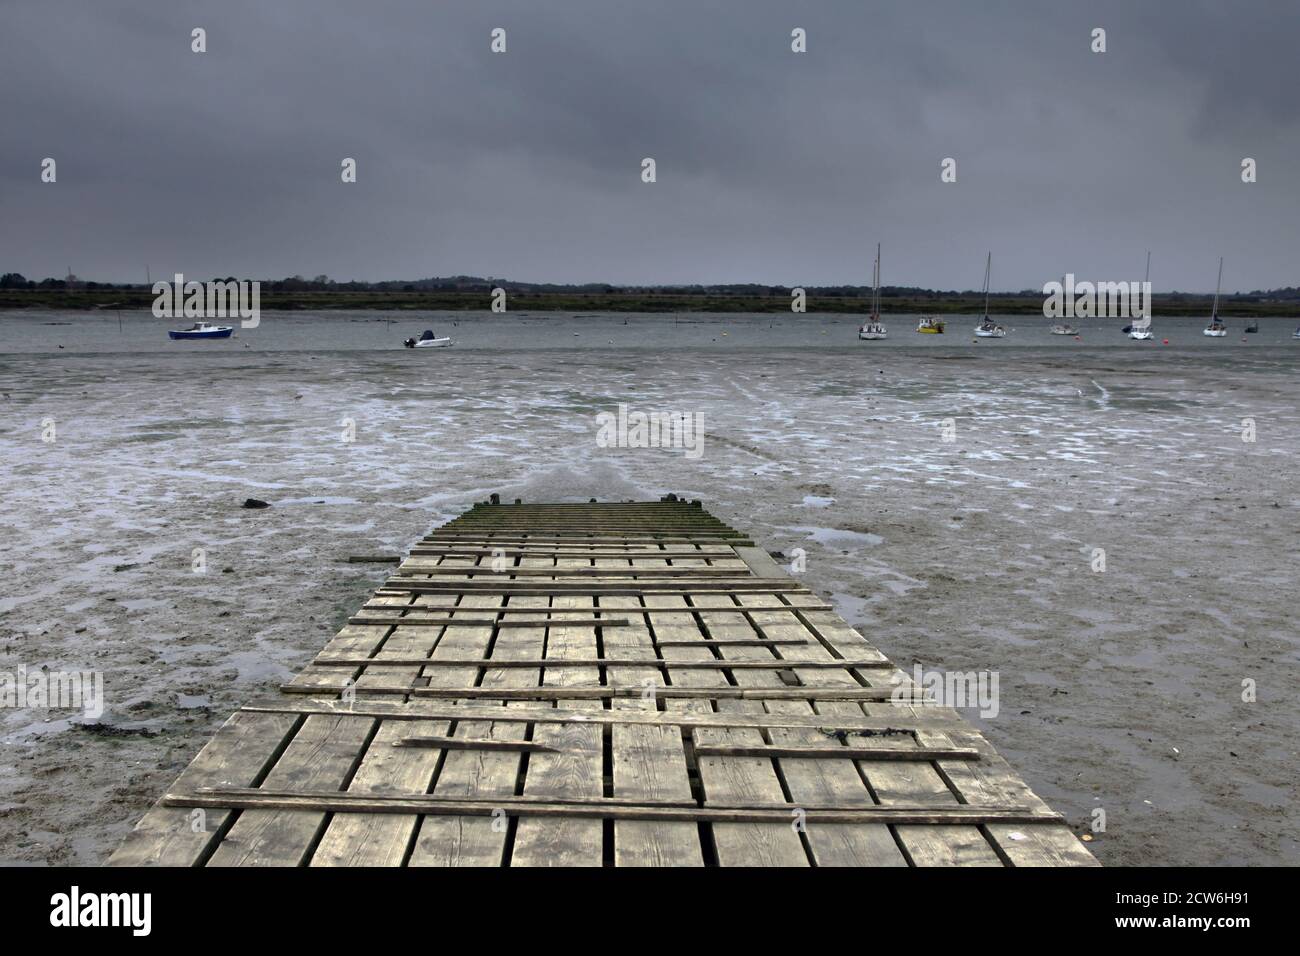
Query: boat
[1216,329]
[1066,329]
[428,341]
[873,329]
[988,329]
[1253,327]
[201,330]
[1141,329]
[1296,334]
[930,325]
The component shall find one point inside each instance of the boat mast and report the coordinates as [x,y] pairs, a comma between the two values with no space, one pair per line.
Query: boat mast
[1214,315]
[1144,322]
[988,265]
[875,301]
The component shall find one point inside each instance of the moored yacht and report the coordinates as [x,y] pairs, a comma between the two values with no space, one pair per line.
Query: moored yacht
[872,329]
[988,329]
[1216,329]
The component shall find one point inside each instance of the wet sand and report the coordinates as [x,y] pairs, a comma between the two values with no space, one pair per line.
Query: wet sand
[1120,690]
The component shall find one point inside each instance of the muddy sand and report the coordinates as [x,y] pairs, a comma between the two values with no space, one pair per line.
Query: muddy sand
[1120,689]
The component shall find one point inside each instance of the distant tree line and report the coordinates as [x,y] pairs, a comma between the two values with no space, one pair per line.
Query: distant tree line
[462,283]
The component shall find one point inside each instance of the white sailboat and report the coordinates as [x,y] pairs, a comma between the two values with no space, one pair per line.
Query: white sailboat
[1216,329]
[1141,328]
[988,329]
[873,329]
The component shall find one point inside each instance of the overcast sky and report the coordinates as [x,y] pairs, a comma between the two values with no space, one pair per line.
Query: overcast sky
[772,166]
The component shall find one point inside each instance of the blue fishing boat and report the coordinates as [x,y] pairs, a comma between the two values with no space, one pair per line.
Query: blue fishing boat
[201,330]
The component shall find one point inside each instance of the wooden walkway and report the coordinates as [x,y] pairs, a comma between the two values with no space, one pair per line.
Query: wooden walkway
[607,684]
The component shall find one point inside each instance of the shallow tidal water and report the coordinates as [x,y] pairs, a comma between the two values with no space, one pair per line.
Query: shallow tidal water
[105,331]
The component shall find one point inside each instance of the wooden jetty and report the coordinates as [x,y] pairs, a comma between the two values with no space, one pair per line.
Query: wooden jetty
[626,684]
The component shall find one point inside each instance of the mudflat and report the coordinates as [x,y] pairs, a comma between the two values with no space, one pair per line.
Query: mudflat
[1160,690]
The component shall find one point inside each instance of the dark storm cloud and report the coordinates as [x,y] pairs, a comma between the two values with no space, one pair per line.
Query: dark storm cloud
[773,166]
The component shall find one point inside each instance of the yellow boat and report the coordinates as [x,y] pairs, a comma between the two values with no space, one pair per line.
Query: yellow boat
[930,326]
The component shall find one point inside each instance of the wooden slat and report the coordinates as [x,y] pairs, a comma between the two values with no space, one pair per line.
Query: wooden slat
[718,665]
[381,839]
[312,802]
[422,710]
[445,840]
[240,754]
[576,768]
[321,756]
[649,761]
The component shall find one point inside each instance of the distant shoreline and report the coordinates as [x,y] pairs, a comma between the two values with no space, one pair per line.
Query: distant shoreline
[480,301]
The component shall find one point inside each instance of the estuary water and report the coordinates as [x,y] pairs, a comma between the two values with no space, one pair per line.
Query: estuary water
[138,331]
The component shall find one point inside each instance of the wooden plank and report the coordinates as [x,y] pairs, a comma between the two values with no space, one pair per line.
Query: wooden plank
[914,783]
[865,844]
[627,611]
[240,754]
[717,665]
[321,755]
[812,782]
[460,743]
[420,710]
[649,760]
[992,782]
[446,840]
[723,692]
[314,802]
[595,589]
[381,839]
[473,621]
[745,779]
[812,751]
[575,769]
[558,574]
[760,562]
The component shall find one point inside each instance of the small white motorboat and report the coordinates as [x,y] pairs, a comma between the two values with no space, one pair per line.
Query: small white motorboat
[1066,329]
[873,329]
[201,330]
[428,341]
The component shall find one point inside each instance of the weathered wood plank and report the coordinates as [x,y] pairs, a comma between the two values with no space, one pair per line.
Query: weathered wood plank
[357,839]
[321,756]
[649,761]
[576,769]
[445,840]
[242,751]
